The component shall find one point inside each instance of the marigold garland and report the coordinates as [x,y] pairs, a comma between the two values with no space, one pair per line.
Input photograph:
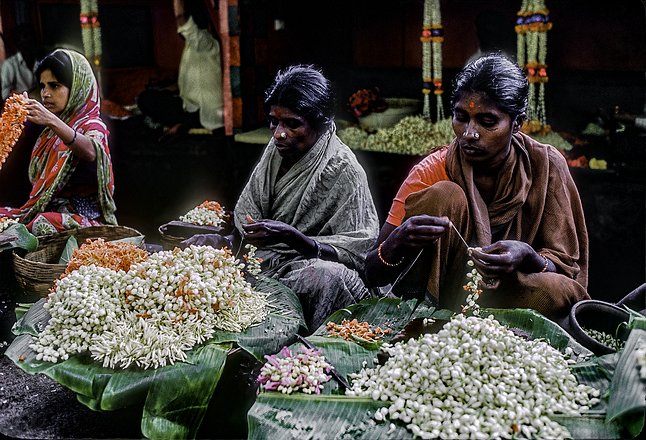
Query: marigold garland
[532,26]
[432,37]
[12,122]
[91,31]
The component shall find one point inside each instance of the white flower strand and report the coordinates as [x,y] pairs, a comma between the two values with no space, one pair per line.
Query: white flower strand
[82,305]
[153,314]
[475,379]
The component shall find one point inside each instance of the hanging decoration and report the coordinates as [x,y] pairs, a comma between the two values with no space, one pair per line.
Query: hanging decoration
[531,27]
[432,38]
[91,31]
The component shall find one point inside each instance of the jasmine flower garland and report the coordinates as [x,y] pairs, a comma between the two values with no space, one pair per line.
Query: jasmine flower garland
[432,38]
[532,26]
[151,315]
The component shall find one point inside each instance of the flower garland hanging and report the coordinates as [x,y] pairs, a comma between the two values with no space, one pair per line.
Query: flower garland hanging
[12,123]
[91,31]
[432,37]
[531,26]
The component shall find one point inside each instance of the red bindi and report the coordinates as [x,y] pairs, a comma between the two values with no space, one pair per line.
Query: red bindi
[472,104]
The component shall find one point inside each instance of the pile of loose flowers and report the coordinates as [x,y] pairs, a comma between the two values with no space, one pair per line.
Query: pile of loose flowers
[6,222]
[207,213]
[305,371]
[475,378]
[152,313]
[412,135]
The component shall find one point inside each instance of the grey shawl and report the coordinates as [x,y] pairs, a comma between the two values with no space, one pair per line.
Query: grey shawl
[325,195]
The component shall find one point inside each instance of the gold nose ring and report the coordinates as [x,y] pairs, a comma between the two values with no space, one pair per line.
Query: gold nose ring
[283,135]
[476,135]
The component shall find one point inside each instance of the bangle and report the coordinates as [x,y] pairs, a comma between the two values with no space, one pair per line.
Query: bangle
[73,139]
[381,258]
[318,249]
[546,263]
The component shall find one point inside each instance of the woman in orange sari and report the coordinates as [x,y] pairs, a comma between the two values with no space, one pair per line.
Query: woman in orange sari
[70,167]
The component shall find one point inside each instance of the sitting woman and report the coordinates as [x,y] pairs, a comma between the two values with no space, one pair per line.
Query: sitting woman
[511,198]
[307,205]
[70,167]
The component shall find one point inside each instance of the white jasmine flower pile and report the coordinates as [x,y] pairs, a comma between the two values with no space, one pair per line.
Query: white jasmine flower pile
[152,314]
[207,213]
[5,222]
[475,379]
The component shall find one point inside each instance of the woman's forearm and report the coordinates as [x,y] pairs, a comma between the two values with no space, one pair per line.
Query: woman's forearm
[80,144]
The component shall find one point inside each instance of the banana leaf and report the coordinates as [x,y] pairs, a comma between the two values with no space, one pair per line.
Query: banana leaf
[18,237]
[280,416]
[627,390]
[175,397]
[70,246]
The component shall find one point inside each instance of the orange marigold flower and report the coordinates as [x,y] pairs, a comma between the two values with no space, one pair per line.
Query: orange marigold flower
[12,123]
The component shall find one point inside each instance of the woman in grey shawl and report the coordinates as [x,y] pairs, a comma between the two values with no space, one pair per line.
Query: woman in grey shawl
[307,205]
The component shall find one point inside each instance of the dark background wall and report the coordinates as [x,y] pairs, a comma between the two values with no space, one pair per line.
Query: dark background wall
[596,59]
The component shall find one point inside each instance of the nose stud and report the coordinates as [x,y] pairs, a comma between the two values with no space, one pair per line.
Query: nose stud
[283,135]
[476,135]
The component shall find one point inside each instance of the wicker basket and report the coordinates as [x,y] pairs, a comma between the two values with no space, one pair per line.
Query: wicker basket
[173,233]
[36,271]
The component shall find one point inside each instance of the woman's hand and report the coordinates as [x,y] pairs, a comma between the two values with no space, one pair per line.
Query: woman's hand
[37,113]
[418,232]
[216,241]
[264,232]
[506,257]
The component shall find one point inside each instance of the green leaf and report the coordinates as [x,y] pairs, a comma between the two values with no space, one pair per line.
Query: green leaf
[627,390]
[70,246]
[18,237]
[275,415]
[537,326]
[33,320]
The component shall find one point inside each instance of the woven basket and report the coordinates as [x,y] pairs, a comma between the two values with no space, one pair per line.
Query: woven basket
[36,271]
[173,233]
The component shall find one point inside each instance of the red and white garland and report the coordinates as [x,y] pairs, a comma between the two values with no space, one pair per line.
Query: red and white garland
[531,26]
[91,31]
[432,37]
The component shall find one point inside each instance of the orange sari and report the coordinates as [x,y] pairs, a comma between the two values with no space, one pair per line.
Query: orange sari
[49,208]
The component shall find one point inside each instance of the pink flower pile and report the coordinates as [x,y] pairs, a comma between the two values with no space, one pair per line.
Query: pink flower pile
[288,372]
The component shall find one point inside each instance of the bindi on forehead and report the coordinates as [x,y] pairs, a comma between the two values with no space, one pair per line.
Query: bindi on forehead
[472,104]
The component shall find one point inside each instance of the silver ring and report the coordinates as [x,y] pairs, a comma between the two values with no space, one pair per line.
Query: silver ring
[283,135]
[476,135]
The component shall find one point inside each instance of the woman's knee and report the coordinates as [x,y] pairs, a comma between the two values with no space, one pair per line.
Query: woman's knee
[442,198]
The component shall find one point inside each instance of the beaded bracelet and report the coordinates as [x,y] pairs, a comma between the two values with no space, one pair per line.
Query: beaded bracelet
[546,263]
[381,258]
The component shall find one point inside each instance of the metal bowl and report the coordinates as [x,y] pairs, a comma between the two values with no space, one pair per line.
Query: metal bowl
[601,316]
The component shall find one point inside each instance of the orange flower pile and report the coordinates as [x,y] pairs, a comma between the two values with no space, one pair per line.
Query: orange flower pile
[115,255]
[365,101]
[350,330]
[212,206]
[12,122]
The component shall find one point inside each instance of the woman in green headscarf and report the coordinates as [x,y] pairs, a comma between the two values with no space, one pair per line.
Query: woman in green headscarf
[70,167]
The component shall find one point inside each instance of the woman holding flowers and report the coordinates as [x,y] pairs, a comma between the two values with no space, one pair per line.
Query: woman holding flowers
[70,167]
[307,205]
[494,196]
